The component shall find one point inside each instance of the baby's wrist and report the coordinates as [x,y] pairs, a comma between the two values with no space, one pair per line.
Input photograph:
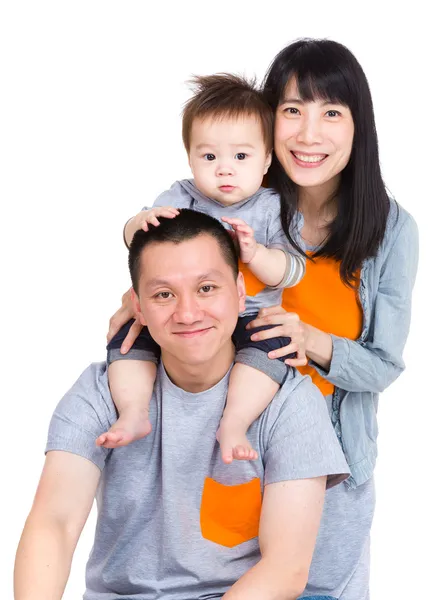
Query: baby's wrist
[139,218]
[256,251]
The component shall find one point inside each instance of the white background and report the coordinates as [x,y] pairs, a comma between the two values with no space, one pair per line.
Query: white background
[90,132]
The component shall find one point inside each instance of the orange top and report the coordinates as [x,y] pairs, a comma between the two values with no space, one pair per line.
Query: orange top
[321,299]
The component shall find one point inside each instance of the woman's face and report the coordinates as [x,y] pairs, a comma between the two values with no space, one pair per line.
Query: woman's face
[313,140]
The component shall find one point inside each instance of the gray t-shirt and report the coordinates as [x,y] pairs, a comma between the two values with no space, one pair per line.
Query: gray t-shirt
[262,212]
[174,522]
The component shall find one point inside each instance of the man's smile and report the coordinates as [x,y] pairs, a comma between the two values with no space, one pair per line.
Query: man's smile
[192,332]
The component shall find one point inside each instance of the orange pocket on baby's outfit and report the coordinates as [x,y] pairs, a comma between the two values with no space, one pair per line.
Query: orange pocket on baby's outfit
[230,514]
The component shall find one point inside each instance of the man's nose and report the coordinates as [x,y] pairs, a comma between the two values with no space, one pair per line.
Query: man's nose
[310,131]
[188,310]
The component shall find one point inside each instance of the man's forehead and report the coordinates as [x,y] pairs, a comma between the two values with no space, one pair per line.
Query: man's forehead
[194,259]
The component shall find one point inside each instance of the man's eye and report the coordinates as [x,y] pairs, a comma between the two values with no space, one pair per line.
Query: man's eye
[333,113]
[209,156]
[163,295]
[241,156]
[206,288]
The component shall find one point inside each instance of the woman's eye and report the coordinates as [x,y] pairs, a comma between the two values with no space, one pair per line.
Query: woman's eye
[333,113]
[291,110]
[206,288]
[209,157]
[240,156]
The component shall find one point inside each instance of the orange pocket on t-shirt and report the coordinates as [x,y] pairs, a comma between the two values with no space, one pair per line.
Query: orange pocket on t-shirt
[230,514]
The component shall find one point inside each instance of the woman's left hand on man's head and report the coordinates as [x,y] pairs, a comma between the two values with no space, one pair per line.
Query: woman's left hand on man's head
[286,325]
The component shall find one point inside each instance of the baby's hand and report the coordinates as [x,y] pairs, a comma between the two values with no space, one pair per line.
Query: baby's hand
[150,217]
[245,237]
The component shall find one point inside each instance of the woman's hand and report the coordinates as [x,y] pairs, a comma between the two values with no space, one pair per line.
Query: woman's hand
[287,325]
[122,316]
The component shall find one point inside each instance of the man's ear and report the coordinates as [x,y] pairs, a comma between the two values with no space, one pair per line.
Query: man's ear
[268,162]
[137,308]
[241,291]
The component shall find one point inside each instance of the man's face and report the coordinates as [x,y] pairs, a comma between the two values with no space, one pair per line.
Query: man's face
[228,157]
[189,299]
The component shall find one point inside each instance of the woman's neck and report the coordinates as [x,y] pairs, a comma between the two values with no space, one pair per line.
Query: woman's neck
[318,206]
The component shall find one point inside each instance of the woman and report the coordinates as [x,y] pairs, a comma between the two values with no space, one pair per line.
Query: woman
[352,310]
[354,303]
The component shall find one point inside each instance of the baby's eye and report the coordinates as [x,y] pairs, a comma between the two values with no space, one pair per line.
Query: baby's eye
[206,288]
[209,157]
[241,156]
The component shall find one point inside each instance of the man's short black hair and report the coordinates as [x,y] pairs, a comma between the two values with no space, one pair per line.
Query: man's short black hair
[185,226]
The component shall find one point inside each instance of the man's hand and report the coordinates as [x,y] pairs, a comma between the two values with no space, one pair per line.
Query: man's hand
[245,237]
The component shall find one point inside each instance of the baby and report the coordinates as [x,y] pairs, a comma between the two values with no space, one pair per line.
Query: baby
[227,132]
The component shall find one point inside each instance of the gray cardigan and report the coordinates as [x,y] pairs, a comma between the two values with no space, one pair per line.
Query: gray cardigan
[363,368]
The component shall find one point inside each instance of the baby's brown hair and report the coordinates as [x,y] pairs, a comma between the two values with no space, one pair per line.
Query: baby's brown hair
[224,95]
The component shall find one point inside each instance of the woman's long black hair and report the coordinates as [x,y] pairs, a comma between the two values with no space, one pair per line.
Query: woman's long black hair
[327,70]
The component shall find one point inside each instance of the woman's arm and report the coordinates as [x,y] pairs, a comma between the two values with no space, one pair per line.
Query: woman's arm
[319,346]
[374,364]
[124,314]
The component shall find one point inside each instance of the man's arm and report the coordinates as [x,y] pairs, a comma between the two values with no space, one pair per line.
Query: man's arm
[302,457]
[62,504]
[289,523]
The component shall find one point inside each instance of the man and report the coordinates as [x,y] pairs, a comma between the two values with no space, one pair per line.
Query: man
[174,521]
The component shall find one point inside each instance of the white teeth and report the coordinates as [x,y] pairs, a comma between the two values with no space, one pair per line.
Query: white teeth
[310,159]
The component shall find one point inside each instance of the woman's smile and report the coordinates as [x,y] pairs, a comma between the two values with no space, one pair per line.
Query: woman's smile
[307,160]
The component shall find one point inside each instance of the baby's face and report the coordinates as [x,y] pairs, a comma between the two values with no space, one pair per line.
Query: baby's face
[228,157]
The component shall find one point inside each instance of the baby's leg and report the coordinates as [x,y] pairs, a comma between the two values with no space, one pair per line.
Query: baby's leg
[254,381]
[131,384]
[131,379]
[249,393]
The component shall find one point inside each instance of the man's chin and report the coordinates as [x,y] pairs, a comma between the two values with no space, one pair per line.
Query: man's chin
[194,359]
[194,355]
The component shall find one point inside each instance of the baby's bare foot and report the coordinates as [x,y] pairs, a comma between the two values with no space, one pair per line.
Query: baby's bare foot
[244,452]
[234,444]
[128,428]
